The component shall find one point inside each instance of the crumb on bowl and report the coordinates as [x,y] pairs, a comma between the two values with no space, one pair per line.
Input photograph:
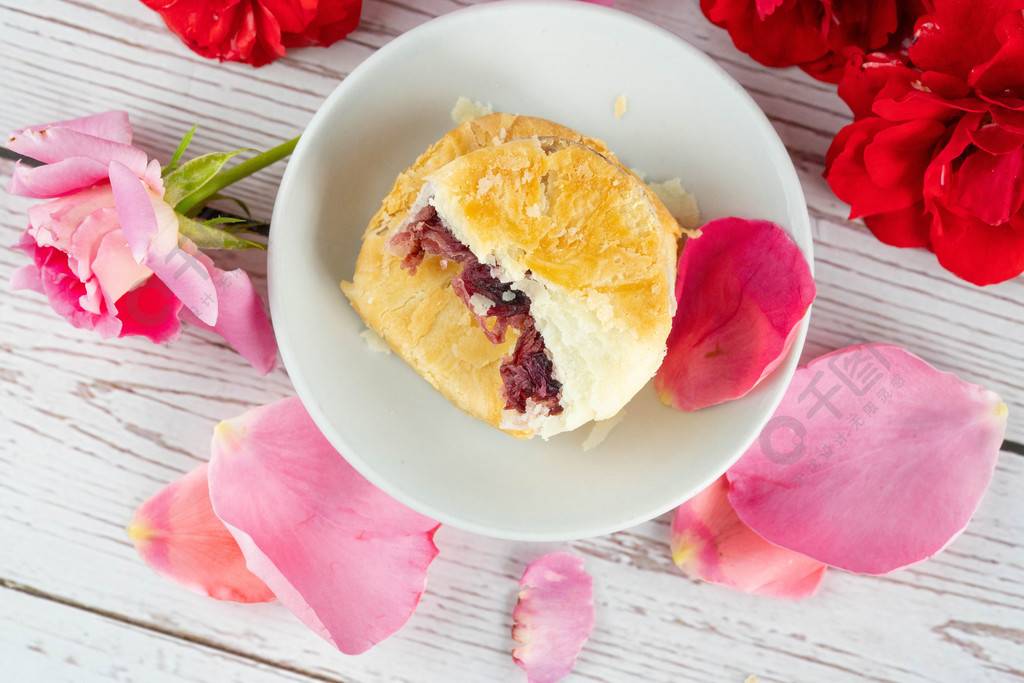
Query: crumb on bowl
[621,104]
[466,109]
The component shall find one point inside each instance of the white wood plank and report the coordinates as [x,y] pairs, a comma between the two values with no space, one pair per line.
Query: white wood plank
[43,640]
[90,428]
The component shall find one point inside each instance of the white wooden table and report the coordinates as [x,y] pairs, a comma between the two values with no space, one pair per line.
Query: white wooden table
[91,428]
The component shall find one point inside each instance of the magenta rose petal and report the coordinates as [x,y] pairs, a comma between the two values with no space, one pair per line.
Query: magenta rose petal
[710,542]
[345,558]
[874,460]
[178,535]
[553,617]
[743,287]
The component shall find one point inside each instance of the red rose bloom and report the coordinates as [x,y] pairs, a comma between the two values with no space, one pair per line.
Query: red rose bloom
[816,35]
[256,31]
[935,156]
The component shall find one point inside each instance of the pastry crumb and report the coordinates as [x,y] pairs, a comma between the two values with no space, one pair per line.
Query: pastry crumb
[600,431]
[680,203]
[466,109]
[375,341]
[751,679]
[621,104]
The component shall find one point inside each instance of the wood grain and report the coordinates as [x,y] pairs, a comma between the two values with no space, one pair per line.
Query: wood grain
[90,428]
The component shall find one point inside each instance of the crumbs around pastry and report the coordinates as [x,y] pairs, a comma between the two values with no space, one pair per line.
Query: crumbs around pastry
[680,203]
[600,431]
[621,104]
[375,341]
[466,109]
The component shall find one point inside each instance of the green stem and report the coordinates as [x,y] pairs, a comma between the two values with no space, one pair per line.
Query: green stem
[233,174]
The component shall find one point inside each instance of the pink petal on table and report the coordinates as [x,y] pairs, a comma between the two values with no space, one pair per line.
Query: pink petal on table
[151,228]
[110,125]
[873,461]
[241,317]
[553,617]
[346,559]
[742,287]
[52,144]
[55,180]
[178,535]
[711,542]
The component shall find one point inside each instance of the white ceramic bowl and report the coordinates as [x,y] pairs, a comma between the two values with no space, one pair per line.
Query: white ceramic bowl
[567,62]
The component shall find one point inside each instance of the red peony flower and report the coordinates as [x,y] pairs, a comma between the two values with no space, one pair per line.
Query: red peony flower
[817,35]
[256,31]
[935,156]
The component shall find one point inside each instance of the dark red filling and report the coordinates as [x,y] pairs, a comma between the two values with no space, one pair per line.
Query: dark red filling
[526,373]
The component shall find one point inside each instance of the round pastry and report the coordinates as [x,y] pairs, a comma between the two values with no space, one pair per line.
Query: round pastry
[521,270]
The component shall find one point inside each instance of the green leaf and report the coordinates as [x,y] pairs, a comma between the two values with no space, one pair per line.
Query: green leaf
[190,177]
[218,220]
[210,237]
[242,205]
[182,146]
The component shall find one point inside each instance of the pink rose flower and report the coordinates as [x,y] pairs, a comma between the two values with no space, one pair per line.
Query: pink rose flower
[106,250]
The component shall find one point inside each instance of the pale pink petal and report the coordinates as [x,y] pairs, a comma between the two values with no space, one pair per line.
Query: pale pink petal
[346,559]
[710,542]
[110,125]
[743,286]
[241,317]
[873,461]
[53,144]
[114,268]
[178,535]
[56,180]
[54,223]
[553,617]
[27,277]
[151,231]
[135,210]
[82,242]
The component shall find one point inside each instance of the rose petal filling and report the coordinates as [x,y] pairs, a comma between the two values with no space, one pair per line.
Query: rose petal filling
[528,373]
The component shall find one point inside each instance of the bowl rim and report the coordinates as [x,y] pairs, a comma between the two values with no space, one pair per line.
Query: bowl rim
[801,227]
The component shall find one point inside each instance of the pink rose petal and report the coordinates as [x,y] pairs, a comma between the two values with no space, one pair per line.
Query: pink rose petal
[241,318]
[111,125]
[874,460]
[151,228]
[178,535]
[345,558]
[554,616]
[743,287]
[51,144]
[710,542]
[57,179]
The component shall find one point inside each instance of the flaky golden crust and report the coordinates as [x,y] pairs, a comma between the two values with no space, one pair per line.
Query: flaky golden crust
[621,274]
